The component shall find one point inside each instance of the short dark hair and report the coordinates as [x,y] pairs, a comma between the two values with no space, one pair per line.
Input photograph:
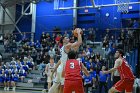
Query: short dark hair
[72,54]
[121,52]
[61,40]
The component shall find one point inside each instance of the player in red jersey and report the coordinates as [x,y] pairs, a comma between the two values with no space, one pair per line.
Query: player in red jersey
[126,75]
[72,74]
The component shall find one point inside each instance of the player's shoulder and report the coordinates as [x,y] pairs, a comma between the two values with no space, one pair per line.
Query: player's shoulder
[119,59]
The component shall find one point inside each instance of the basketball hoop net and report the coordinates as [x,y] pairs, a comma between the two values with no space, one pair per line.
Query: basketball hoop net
[123,5]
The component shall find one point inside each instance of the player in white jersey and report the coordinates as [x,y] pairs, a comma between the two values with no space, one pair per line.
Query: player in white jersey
[64,50]
[48,71]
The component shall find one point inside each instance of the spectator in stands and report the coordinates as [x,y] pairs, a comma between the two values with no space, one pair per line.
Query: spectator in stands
[22,74]
[57,39]
[3,79]
[46,57]
[14,46]
[6,43]
[49,40]
[33,54]
[18,64]
[98,66]
[105,41]
[31,64]
[103,79]
[91,36]
[93,75]
[121,39]
[43,36]
[112,52]
[135,24]
[53,39]
[15,78]
[107,52]
[24,38]
[112,41]
[25,66]
[88,82]
[42,66]
[8,79]
[51,52]
[44,42]
[66,34]
[38,45]
[39,57]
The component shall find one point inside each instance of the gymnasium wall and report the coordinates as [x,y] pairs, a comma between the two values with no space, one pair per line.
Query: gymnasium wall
[47,18]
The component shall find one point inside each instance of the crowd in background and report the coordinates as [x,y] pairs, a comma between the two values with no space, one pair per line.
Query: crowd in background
[28,55]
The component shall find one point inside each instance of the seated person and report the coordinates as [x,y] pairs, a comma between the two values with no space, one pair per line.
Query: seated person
[15,78]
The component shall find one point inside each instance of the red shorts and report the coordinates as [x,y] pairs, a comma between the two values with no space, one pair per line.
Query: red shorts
[125,84]
[76,86]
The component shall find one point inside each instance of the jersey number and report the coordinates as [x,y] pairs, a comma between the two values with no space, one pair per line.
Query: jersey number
[72,65]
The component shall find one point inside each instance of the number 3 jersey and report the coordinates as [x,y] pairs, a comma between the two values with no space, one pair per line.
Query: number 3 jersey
[72,70]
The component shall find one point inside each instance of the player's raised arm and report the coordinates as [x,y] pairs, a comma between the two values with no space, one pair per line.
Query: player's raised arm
[76,44]
[84,69]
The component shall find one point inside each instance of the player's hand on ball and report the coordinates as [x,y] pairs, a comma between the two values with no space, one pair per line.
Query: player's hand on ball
[79,30]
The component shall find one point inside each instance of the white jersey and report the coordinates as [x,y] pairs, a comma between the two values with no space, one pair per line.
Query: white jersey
[64,55]
[50,68]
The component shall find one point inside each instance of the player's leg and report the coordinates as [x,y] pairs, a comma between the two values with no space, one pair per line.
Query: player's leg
[67,86]
[54,88]
[78,85]
[112,90]
[49,82]
[118,87]
[129,86]
[62,85]
[61,88]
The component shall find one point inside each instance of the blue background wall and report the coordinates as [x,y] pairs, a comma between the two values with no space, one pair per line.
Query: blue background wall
[47,18]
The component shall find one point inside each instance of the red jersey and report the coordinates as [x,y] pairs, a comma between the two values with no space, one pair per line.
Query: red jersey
[72,70]
[125,71]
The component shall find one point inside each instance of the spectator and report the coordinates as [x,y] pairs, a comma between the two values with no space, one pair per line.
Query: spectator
[88,82]
[3,79]
[15,78]
[51,52]
[135,24]
[103,79]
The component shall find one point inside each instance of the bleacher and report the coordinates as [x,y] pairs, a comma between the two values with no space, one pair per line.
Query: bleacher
[33,81]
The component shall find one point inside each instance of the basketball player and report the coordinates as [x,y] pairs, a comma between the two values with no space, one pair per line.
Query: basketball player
[127,77]
[48,70]
[73,78]
[67,46]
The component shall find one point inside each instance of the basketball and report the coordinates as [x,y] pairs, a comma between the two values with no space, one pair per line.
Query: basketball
[76,34]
